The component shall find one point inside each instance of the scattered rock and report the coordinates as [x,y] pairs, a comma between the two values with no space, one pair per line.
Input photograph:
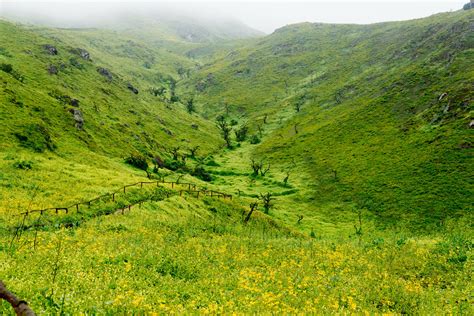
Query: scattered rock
[50,49]
[471,124]
[52,70]
[78,117]
[74,102]
[132,88]
[105,72]
[167,131]
[195,126]
[442,96]
[159,119]
[82,52]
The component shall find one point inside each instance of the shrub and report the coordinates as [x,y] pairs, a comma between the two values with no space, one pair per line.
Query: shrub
[241,133]
[254,139]
[23,165]
[36,137]
[6,68]
[137,160]
[200,173]
[174,165]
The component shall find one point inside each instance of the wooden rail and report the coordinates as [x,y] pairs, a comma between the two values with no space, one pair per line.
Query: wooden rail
[112,195]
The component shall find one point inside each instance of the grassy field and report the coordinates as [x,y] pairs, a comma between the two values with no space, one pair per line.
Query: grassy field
[364,131]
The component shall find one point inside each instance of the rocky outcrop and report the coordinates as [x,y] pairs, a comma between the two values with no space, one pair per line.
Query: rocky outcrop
[84,54]
[78,118]
[50,49]
[132,88]
[52,70]
[105,72]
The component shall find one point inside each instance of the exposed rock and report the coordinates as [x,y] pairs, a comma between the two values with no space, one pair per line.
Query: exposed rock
[75,102]
[194,126]
[471,124]
[206,82]
[52,70]
[105,72]
[50,49]
[78,117]
[132,88]
[82,52]
[167,131]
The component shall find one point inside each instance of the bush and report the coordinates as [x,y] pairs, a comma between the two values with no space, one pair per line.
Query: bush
[254,139]
[36,137]
[23,165]
[200,173]
[174,165]
[6,68]
[137,161]
[241,133]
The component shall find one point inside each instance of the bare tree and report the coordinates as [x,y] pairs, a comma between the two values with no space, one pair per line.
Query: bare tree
[287,177]
[267,201]
[225,129]
[253,207]
[190,105]
[256,166]
[260,130]
[175,152]
[193,151]
[300,218]
[263,171]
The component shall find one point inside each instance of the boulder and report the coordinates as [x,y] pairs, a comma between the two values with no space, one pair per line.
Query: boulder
[78,118]
[132,88]
[74,102]
[83,53]
[105,72]
[50,49]
[52,70]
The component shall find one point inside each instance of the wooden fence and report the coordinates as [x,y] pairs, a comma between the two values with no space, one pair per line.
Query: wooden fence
[192,190]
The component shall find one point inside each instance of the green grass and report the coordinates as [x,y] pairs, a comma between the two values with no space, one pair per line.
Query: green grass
[375,216]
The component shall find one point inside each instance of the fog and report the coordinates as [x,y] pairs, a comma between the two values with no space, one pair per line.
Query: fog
[262,15]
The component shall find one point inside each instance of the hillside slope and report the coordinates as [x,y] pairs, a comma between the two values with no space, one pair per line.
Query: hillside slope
[386,107]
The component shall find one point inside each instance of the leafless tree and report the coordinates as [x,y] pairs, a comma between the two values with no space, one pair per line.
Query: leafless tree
[267,201]
[175,152]
[193,151]
[253,207]
[225,129]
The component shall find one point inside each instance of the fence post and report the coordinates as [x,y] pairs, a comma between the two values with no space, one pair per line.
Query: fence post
[124,189]
[172,185]
[141,185]
[77,207]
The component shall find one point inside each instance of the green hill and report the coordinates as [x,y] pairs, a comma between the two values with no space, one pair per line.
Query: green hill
[360,136]
[385,106]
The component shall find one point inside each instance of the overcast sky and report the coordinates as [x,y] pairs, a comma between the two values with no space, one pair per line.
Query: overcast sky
[264,15]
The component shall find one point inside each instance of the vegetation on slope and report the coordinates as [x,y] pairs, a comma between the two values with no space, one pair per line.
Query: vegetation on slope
[353,151]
